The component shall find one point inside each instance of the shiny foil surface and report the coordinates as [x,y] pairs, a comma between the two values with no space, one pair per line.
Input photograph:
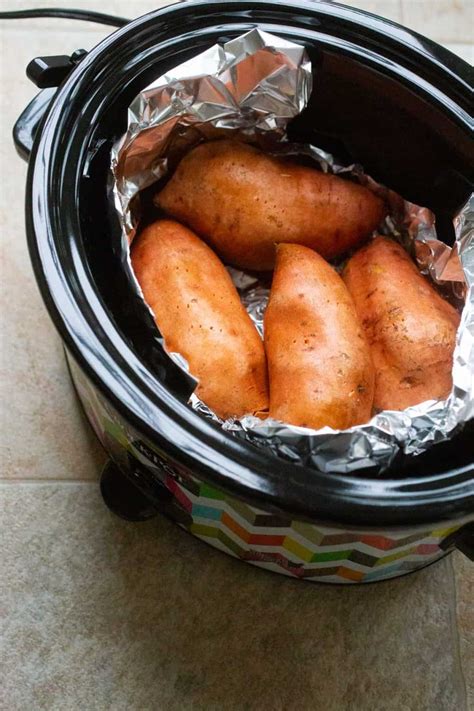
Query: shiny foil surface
[250,88]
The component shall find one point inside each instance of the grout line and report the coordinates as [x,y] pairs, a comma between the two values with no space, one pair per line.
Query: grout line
[9,482]
[402,14]
[453,600]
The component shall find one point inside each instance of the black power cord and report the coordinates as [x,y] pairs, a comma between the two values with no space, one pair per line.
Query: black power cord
[67,14]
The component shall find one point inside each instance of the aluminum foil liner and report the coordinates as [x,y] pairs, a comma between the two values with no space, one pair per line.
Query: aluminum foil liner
[250,88]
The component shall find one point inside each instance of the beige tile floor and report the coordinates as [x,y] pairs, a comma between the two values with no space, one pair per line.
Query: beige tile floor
[101,614]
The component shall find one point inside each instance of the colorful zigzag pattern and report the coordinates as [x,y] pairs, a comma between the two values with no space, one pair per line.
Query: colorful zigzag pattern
[299,549]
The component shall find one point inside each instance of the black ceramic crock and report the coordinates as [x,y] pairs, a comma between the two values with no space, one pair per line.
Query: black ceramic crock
[383,96]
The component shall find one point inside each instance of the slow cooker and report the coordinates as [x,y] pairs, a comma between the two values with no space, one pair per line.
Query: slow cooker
[384,97]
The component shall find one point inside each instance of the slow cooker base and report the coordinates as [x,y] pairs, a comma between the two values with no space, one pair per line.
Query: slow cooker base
[144,480]
[123,498]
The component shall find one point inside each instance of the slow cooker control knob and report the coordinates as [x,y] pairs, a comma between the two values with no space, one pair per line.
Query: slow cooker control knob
[123,497]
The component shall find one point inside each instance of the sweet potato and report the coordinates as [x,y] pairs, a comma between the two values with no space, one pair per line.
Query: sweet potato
[410,327]
[319,364]
[199,313]
[242,202]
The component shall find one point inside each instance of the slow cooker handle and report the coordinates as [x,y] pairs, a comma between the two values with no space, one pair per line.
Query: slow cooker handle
[47,73]
[27,125]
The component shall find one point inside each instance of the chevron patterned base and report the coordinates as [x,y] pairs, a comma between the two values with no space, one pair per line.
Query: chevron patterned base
[302,550]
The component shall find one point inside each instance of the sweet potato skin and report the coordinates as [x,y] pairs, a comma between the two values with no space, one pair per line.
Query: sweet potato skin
[411,329]
[319,364]
[200,315]
[242,202]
